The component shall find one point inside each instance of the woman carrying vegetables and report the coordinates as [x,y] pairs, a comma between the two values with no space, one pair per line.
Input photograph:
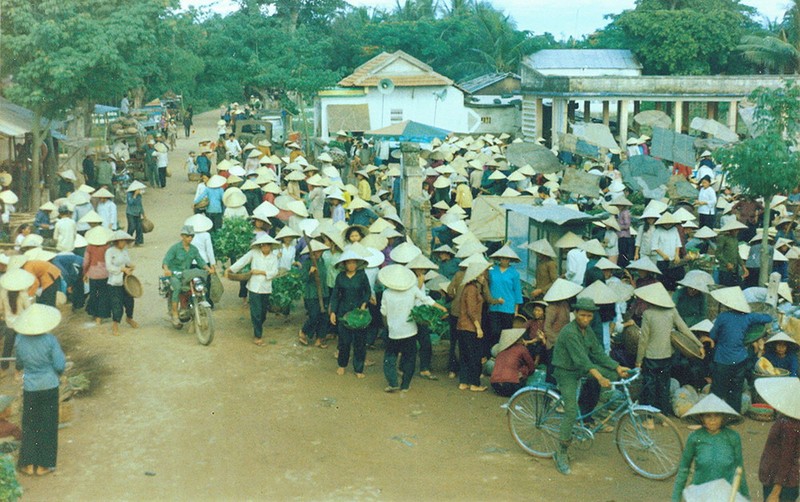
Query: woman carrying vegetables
[350,292]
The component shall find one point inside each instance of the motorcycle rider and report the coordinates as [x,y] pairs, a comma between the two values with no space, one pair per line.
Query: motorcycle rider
[177,266]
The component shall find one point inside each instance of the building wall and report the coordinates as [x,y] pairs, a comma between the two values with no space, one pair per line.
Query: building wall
[405,103]
[586,72]
[508,85]
[495,120]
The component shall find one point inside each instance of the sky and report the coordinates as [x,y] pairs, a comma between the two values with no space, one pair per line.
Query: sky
[562,18]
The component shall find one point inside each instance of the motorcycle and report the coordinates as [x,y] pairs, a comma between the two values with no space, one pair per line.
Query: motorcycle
[192,304]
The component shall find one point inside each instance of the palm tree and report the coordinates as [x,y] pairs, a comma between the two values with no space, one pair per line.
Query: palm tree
[778,51]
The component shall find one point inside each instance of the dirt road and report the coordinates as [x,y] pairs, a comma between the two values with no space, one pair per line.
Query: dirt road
[173,420]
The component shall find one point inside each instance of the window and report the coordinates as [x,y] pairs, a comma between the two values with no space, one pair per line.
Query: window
[396,115]
[486,120]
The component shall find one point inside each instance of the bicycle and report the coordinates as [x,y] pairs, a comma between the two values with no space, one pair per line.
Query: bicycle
[648,441]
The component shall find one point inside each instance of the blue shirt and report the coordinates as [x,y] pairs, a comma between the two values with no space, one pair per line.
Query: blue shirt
[787,362]
[728,335]
[203,165]
[505,285]
[214,199]
[134,206]
[42,218]
[42,360]
[70,265]
[363,217]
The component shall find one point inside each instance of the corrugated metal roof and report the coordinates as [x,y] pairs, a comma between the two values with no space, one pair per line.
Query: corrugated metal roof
[476,84]
[16,121]
[616,59]
[371,72]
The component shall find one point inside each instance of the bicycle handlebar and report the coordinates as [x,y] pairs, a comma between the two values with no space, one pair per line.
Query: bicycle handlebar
[634,374]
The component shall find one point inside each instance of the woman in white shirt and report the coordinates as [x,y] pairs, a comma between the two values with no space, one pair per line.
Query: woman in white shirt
[706,203]
[667,245]
[287,250]
[263,268]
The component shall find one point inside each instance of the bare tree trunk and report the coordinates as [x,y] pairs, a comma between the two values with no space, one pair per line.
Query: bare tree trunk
[766,257]
[307,141]
[50,169]
[36,153]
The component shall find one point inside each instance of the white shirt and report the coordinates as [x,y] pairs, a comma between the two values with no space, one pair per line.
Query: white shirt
[199,190]
[235,212]
[64,233]
[396,307]
[550,201]
[286,256]
[260,284]
[233,147]
[116,259]
[704,171]
[667,241]
[576,265]
[709,196]
[80,212]
[108,212]
[611,242]
[202,241]
[475,178]
[162,159]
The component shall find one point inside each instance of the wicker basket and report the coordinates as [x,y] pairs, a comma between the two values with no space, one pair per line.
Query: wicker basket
[194,176]
[238,277]
[761,412]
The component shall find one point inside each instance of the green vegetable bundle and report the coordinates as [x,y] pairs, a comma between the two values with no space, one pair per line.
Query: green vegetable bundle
[285,289]
[431,317]
[233,239]
[10,488]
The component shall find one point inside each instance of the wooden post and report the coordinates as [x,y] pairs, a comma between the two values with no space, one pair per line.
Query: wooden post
[711,110]
[587,111]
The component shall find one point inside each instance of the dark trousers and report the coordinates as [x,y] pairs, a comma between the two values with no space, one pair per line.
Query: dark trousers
[120,300]
[455,340]
[670,275]
[77,296]
[39,428]
[162,177]
[729,278]
[355,338]
[752,278]
[9,336]
[187,129]
[498,321]
[506,389]
[259,306]
[787,494]
[97,305]
[316,322]
[568,382]
[471,353]
[135,227]
[727,381]
[425,348]
[627,248]
[48,296]
[707,220]
[655,383]
[547,360]
[407,347]
[216,219]
[243,289]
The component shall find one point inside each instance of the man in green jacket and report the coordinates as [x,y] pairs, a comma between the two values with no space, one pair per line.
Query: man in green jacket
[577,354]
[177,266]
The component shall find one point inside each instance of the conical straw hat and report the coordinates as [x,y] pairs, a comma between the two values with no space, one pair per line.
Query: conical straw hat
[778,337]
[705,233]
[37,319]
[733,298]
[644,263]
[397,277]
[703,326]
[315,245]
[474,270]
[234,197]
[505,252]
[712,404]
[358,203]
[683,215]
[697,279]
[606,264]
[91,217]
[470,249]
[508,337]
[732,224]
[667,219]
[569,240]
[561,290]
[785,292]
[17,280]
[599,293]
[593,247]
[32,241]
[422,262]
[656,294]
[98,236]
[621,201]
[782,393]
[543,247]
[404,253]
[287,231]
[375,241]
[216,181]
[199,222]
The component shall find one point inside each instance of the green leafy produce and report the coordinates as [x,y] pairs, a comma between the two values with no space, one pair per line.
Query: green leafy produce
[285,290]
[233,239]
[431,317]
[10,488]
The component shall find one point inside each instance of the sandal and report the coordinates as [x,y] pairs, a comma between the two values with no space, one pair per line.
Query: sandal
[429,375]
[303,340]
[258,341]
[321,345]
[463,386]
[44,471]
[27,470]
[477,388]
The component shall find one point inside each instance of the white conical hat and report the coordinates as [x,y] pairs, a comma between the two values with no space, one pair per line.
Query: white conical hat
[703,326]
[422,262]
[315,245]
[733,298]
[234,197]
[287,231]
[470,248]
[103,193]
[569,240]
[593,247]
[98,236]
[732,224]
[36,320]
[684,215]
[644,263]
[135,185]
[705,233]
[508,337]
[199,222]
[656,294]
[668,219]
[404,253]
[599,293]
[782,393]
[606,264]
[561,290]
[505,252]
[298,208]
[712,404]
[474,270]
[543,247]
[17,280]
[397,277]
[32,241]
[697,279]
[216,181]
[265,211]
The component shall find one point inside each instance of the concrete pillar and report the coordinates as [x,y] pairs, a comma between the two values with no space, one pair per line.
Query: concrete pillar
[678,118]
[559,122]
[733,115]
[711,110]
[539,129]
[623,122]
[606,113]
[685,124]
[587,111]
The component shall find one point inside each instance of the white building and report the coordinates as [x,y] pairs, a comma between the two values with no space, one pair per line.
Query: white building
[388,89]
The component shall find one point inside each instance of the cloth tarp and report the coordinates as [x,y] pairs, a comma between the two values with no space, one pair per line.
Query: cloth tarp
[714,128]
[488,220]
[672,146]
[540,158]
[348,117]
[595,134]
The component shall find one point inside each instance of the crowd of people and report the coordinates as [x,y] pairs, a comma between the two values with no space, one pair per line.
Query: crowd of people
[599,301]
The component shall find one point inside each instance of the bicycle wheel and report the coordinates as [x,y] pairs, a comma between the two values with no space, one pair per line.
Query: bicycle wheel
[534,421]
[650,444]
[203,324]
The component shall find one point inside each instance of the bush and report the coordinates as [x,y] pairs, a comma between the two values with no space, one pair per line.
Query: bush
[10,489]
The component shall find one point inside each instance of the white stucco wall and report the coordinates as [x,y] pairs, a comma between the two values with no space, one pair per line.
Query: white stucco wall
[588,72]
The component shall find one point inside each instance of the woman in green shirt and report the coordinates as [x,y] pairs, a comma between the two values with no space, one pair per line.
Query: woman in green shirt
[715,450]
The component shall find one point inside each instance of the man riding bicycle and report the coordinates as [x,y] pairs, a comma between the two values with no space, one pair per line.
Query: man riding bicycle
[578,354]
[177,264]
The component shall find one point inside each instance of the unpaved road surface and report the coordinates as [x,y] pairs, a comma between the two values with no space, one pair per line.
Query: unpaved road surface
[170,419]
